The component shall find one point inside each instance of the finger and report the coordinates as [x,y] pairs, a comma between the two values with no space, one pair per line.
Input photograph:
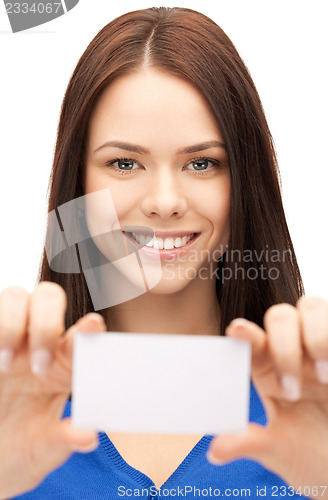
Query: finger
[314,325]
[53,446]
[282,324]
[90,323]
[13,319]
[46,324]
[254,444]
[271,446]
[242,329]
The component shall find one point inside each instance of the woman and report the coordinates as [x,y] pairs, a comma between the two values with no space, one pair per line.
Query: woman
[161,111]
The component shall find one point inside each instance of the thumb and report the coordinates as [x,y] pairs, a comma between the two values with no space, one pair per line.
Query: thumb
[54,446]
[254,444]
[91,322]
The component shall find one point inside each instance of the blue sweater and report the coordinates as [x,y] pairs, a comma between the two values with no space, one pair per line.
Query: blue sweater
[104,474]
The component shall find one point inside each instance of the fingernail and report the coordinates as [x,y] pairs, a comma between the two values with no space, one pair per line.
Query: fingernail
[86,449]
[95,317]
[40,361]
[213,460]
[321,368]
[6,358]
[239,322]
[291,387]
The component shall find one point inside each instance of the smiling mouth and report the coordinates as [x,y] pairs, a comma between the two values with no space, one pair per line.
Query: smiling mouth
[158,243]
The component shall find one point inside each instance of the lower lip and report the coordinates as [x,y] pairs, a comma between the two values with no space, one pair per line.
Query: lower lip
[163,254]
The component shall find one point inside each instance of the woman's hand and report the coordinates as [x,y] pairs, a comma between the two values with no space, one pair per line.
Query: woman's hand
[290,374]
[35,383]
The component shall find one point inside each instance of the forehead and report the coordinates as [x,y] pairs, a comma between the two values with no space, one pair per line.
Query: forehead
[149,105]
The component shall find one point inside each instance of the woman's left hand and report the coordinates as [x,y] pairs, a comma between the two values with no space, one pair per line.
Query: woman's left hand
[290,374]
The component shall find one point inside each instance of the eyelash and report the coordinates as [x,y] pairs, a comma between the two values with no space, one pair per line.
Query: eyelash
[216,163]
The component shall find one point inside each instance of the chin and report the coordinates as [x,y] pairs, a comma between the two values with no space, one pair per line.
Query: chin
[169,286]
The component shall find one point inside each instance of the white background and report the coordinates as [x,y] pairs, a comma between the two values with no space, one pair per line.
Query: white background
[283,43]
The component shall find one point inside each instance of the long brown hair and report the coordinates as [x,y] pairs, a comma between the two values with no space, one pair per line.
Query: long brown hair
[188,44]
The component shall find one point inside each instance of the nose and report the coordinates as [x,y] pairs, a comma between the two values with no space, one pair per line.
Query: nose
[165,196]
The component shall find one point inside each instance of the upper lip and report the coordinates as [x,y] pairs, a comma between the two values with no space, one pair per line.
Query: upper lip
[160,234]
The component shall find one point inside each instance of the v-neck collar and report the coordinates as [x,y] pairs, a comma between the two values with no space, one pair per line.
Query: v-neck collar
[142,479]
[197,454]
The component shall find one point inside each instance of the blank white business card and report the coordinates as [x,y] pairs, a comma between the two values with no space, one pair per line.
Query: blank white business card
[160,383]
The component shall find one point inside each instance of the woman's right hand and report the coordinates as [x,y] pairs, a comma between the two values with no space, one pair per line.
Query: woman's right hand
[35,383]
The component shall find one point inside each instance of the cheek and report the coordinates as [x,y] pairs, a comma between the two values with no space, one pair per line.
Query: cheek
[217,207]
[94,180]
[111,208]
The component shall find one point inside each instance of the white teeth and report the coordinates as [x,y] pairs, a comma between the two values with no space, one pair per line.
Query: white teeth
[178,242]
[169,243]
[160,244]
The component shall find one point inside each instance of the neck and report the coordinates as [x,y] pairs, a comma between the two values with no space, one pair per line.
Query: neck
[192,311]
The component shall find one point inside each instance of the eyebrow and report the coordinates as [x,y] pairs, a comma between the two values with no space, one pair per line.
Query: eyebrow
[142,150]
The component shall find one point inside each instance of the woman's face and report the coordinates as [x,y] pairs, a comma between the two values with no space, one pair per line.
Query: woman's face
[154,142]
